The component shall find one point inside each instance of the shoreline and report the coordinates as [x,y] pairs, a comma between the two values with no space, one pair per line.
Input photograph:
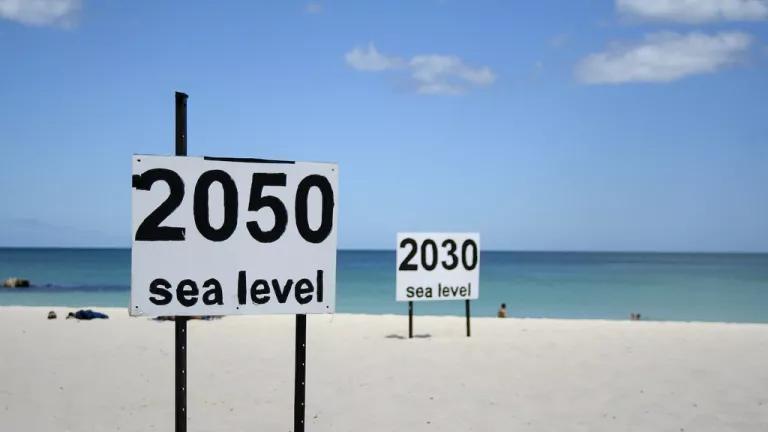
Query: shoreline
[118,310]
[686,288]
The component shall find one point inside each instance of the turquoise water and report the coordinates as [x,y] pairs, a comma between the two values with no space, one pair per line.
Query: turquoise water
[661,286]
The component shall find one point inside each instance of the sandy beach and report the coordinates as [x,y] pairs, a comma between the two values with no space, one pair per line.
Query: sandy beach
[363,374]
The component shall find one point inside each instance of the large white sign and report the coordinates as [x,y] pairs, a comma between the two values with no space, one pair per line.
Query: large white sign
[220,236]
[438,266]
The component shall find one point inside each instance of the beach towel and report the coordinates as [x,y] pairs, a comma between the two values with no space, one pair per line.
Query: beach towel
[88,314]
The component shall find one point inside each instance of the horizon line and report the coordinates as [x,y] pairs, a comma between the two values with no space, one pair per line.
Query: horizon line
[620,251]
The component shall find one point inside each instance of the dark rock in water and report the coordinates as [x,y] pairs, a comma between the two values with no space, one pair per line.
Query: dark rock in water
[16,283]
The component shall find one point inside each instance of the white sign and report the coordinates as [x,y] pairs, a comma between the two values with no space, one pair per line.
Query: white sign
[220,236]
[438,266]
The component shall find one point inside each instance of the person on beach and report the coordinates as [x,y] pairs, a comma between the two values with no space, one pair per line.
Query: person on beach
[502,313]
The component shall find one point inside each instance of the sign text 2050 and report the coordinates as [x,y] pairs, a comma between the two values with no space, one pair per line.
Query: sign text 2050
[151,230]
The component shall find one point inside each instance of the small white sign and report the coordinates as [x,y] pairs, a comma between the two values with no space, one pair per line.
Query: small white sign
[438,266]
[221,236]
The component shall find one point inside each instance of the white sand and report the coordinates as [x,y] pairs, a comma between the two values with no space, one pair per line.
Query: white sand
[513,374]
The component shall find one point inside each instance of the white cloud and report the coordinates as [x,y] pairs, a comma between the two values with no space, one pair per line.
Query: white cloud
[430,73]
[370,59]
[694,11]
[41,12]
[313,8]
[663,57]
[441,74]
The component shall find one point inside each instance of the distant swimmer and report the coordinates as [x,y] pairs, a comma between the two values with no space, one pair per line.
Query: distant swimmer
[502,313]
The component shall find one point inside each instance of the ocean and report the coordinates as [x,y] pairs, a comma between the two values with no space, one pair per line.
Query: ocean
[660,286]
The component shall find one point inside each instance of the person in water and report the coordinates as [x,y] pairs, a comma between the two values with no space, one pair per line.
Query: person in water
[502,313]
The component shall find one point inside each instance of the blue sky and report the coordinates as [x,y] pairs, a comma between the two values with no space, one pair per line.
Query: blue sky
[578,125]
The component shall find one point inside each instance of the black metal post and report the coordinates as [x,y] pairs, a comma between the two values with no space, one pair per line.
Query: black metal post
[466,307]
[180,321]
[300,376]
[410,320]
[181,374]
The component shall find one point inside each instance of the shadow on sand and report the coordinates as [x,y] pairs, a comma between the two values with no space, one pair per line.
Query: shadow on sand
[416,336]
